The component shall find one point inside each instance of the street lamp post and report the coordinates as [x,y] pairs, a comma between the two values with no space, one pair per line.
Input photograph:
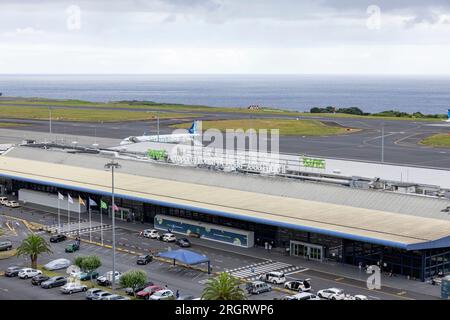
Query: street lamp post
[50,119]
[113,165]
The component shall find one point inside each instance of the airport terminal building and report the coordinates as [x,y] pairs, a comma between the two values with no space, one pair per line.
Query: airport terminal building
[406,234]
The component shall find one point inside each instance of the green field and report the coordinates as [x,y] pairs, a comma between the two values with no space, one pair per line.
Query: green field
[437,140]
[86,115]
[10,124]
[174,108]
[286,127]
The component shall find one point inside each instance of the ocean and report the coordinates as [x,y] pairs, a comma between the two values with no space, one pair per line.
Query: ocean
[294,92]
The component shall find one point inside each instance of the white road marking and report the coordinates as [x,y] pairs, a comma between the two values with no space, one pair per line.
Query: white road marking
[298,271]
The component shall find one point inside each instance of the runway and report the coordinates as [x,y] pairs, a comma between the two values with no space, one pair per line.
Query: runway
[400,137]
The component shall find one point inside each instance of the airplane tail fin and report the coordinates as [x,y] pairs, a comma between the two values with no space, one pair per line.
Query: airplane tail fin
[448,113]
[193,129]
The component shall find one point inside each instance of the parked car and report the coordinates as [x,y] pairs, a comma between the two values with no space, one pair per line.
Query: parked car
[72,247]
[273,277]
[5,245]
[183,242]
[3,200]
[53,282]
[305,296]
[148,291]
[144,259]
[298,285]
[169,237]
[331,294]
[257,287]
[150,233]
[13,204]
[129,291]
[164,294]
[57,264]
[102,295]
[26,273]
[37,280]
[58,238]
[84,276]
[92,292]
[72,287]
[106,279]
[355,297]
[12,271]
[117,297]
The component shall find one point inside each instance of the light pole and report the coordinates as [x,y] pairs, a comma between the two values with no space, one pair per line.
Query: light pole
[113,165]
[50,119]
[382,143]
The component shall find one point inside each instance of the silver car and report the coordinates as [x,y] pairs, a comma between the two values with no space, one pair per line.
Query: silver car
[72,287]
[102,295]
[93,292]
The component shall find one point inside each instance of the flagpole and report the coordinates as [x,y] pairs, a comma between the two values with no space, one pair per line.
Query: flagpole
[101,222]
[90,221]
[79,216]
[68,212]
[59,217]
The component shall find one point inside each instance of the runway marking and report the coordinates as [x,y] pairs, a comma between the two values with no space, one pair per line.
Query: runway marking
[339,279]
[401,293]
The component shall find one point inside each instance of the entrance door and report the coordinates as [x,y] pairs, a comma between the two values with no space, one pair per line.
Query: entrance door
[306,250]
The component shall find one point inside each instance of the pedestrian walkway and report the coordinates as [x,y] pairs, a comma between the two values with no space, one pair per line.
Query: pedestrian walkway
[254,271]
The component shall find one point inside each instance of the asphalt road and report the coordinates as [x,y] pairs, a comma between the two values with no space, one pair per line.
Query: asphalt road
[400,137]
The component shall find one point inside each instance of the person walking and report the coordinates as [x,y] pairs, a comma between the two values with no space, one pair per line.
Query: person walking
[177,294]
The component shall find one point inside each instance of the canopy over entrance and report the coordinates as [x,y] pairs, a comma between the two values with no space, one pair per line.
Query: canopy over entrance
[186,256]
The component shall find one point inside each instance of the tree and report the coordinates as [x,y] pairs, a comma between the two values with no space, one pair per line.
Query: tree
[33,246]
[88,264]
[133,279]
[224,287]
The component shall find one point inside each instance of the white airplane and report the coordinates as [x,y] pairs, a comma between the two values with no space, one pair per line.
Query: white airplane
[165,138]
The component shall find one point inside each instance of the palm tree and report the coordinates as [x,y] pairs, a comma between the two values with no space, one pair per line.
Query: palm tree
[224,287]
[32,246]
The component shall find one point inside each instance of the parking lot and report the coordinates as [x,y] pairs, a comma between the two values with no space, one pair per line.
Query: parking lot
[186,281]
[177,278]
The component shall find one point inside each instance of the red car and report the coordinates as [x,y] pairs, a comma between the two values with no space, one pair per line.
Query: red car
[147,292]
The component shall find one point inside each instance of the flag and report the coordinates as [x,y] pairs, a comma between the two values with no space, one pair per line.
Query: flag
[103,205]
[81,201]
[92,202]
[69,198]
[60,196]
[116,208]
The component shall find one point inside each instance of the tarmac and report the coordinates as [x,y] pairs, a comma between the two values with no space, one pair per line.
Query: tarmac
[401,138]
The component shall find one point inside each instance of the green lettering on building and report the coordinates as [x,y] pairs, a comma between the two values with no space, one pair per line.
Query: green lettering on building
[157,154]
[313,163]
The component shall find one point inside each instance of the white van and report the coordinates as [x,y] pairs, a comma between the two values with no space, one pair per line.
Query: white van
[257,287]
[273,277]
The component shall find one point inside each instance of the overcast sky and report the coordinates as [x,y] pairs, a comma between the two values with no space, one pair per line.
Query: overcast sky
[225,36]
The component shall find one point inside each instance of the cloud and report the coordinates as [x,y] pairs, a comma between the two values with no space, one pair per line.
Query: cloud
[222,35]
[27,31]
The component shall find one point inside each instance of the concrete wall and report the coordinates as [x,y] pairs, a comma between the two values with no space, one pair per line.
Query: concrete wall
[49,200]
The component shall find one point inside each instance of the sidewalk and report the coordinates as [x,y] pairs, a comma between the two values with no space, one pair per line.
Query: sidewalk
[332,268]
